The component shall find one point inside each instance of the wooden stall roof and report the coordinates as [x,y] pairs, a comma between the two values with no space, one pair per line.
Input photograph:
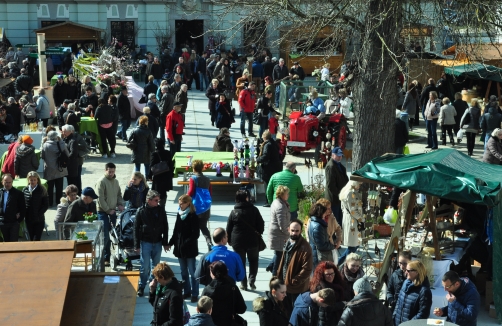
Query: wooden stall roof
[34,280]
[70,31]
[90,302]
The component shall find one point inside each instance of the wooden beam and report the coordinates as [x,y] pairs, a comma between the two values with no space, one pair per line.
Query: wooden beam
[364,180]
[488,90]
[432,223]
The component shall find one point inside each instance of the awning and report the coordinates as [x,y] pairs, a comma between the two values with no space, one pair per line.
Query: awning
[475,71]
[445,173]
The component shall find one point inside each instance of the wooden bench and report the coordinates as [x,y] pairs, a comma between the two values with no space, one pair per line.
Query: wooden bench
[213,182]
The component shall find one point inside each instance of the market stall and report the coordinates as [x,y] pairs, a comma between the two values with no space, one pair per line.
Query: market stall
[446,174]
[88,124]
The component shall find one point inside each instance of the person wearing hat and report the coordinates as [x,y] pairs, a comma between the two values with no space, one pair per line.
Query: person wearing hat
[61,111]
[174,128]
[297,70]
[26,160]
[59,92]
[365,308]
[336,179]
[306,308]
[82,205]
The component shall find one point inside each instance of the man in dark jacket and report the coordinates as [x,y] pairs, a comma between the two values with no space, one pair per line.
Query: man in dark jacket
[297,70]
[124,108]
[59,92]
[306,308]
[60,113]
[491,119]
[400,134]
[23,83]
[424,97]
[14,111]
[220,252]
[336,179]
[12,209]
[84,204]
[268,67]
[296,263]
[280,72]
[269,160]
[88,102]
[202,72]
[365,309]
[460,107]
[165,107]
[150,235]
[223,143]
[463,300]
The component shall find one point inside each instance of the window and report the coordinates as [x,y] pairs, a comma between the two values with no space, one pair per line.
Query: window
[43,11]
[112,12]
[63,11]
[132,11]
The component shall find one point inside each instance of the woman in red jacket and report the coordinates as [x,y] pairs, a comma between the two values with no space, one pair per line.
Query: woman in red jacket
[174,128]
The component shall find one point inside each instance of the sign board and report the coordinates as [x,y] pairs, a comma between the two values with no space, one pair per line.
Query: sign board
[33,55]
[49,52]
[26,45]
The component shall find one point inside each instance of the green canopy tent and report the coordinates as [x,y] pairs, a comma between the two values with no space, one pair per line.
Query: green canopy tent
[475,71]
[449,174]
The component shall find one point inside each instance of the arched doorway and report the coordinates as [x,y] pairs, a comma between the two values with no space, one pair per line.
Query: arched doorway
[190,31]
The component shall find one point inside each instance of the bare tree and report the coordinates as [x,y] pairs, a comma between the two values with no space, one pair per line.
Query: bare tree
[378,34]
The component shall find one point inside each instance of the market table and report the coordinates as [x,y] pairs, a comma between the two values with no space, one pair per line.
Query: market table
[181,159]
[90,125]
[37,153]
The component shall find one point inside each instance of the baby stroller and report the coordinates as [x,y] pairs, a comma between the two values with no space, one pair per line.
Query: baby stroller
[122,237]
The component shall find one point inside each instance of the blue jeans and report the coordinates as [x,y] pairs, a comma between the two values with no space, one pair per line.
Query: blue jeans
[102,216]
[149,251]
[349,250]
[432,137]
[246,116]
[122,133]
[263,126]
[277,94]
[487,137]
[187,265]
[203,81]
[147,168]
[294,215]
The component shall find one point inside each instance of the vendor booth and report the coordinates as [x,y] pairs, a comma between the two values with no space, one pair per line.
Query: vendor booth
[450,176]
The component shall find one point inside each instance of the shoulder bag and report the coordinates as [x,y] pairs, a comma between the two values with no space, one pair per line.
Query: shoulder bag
[202,198]
[261,244]
[62,159]
[131,143]
[161,167]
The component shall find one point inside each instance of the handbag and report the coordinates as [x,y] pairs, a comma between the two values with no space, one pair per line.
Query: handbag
[202,198]
[62,159]
[237,320]
[159,168]
[261,244]
[256,117]
[131,143]
[142,100]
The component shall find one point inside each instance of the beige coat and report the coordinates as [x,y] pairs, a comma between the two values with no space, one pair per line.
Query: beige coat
[349,224]
[108,191]
[430,108]
[278,226]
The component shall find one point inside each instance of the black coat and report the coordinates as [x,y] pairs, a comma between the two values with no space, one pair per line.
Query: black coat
[59,93]
[166,105]
[149,89]
[15,112]
[23,83]
[162,182]
[74,159]
[424,97]
[227,300]
[60,113]
[401,133]
[224,118]
[270,160]
[157,70]
[185,236]
[105,114]
[240,235]
[76,210]
[365,309]
[150,225]
[269,311]
[124,107]
[37,204]
[153,125]
[268,68]
[394,287]
[85,101]
[167,305]
[460,107]
[213,95]
[144,144]
[15,204]
[336,179]
[71,118]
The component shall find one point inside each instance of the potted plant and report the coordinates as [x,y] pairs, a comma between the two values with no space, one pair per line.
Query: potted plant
[82,235]
[90,217]
[381,228]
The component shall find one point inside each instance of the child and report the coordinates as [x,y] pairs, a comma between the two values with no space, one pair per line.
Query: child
[203,315]
[310,109]
[273,124]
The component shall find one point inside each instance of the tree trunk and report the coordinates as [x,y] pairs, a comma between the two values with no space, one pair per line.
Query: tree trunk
[374,88]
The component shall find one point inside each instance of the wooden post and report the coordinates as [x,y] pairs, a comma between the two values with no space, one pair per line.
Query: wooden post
[42,65]
[432,223]
[488,90]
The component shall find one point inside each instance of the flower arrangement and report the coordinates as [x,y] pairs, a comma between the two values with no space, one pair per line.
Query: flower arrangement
[90,216]
[82,235]
[317,74]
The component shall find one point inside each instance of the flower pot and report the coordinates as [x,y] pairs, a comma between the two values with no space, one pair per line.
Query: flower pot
[383,229]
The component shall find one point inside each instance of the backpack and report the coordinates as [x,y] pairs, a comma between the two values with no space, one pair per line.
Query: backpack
[202,198]
[62,159]
[83,147]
